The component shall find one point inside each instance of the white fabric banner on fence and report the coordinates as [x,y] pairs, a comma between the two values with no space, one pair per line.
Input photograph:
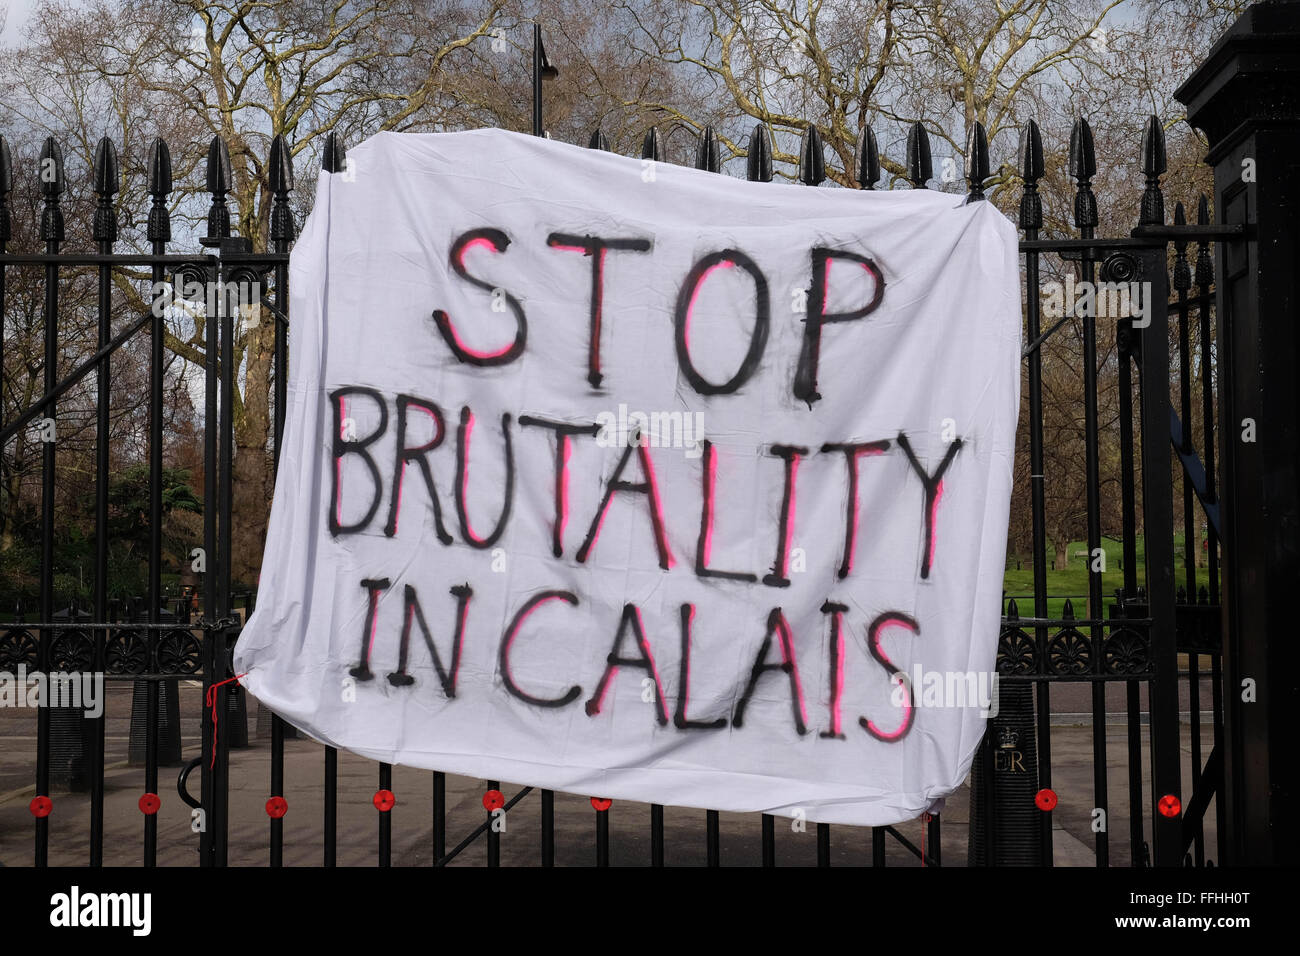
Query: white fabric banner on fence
[641,482]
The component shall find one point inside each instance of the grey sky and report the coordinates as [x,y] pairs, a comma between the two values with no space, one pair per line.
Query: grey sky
[18,11]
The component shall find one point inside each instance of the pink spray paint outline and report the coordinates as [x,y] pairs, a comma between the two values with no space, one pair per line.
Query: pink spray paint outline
[908,709]
[837,702]
[857,487]
[401,472]
[612,673]
[451,327]
[788,657]
[338,465]
[519,624]
[598,303]
[695,294]
[658,528]
[789,522]
[562,521]
[708,503]
[934,526]
[654,503]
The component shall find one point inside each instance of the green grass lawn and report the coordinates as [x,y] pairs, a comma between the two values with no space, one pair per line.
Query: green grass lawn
[1074,579]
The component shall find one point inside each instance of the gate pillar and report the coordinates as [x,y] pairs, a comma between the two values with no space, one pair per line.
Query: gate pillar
[1246,97]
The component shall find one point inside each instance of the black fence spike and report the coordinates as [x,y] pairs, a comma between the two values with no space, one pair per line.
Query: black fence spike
[652,146]
[219,173]
[812,164]
[1153,148]
[52,185]
[1204,264]
[335,158]
[159,228]
[867,159]
[1031,170]
[1153,166]
[977,161]
[1013,610]
[1031,153]
[1083,160]
[160,168]
[51,168]
[218,182]
[708,152]
[6,187]
[106,173]
[6,168]
[920,168]
[280,167]
[758,162]
[1083,166]
[280,180]
[106,170]
[598,141]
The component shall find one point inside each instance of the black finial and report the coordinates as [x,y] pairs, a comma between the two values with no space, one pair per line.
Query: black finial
[758,162]
[335,157]
[1083,162]
[1182,271]
[1013,610]
[219,180]
[1083,166]
[280,180]
[160,184]
[219,174]
[977,161]
[920,168]
[1204,264]
[867,162]
[280,167]
[652,146]
[1153,165]
[708,153]
[6,187]
[160,168]
[812,164]
[6,168]
[106,174]
[52,184]
[598,141]
[52,181]
[1031,170]
[106,169]
[1067,612]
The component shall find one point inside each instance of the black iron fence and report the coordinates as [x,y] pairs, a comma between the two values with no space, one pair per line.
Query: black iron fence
[1139,639]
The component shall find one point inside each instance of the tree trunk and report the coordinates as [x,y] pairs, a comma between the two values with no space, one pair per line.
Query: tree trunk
[252,466]
[1062,553]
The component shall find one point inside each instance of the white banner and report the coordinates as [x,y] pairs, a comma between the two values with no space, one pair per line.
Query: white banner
[636,481]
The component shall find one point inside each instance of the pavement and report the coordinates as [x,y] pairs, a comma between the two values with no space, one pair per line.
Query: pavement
[575,820]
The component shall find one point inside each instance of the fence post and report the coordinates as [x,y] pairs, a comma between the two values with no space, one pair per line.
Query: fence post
[1245,95]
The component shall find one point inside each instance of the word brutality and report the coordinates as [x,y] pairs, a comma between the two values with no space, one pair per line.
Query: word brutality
[392,418]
